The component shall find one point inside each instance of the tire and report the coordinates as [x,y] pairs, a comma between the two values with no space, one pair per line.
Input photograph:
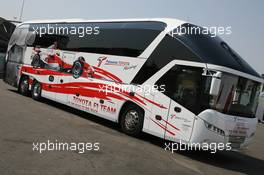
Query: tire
[36,91]
[23,87]
[131,120]
[77,69]
[36,61]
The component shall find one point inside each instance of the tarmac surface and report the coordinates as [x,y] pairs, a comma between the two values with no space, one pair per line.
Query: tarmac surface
[24,121]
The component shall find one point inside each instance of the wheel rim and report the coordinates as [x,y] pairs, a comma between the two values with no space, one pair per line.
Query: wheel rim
[24,86]
[77,68]
[131,120]
[36,90]
[35,63]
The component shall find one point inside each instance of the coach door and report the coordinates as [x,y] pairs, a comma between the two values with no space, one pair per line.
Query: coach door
[159,111]
[181,85]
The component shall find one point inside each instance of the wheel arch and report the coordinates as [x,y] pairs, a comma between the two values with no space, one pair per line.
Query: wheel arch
[125,105]
[21,78]
[30,78]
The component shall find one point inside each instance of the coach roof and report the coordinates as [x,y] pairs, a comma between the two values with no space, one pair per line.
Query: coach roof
[236,63]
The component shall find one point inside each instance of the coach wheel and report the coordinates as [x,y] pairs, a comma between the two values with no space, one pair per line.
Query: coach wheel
[131,120]
[77,69]
[36,91]
[36,62]
[23,87]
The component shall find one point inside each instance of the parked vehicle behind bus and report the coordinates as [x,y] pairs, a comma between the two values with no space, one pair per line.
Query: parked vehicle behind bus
[204,92]
[6,30]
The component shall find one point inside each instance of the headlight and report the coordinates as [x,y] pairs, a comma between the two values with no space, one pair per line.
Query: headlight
[214,128]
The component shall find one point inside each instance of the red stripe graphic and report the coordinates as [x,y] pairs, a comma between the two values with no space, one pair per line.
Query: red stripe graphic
[171,125]
[107,74]
[159,105]
[163,127]
[79,87]
[75,87]
[39,71]
[98,71]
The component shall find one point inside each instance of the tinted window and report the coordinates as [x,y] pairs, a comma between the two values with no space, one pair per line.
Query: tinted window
[212,49]
[238,96]
[6,29]
[15,54]
[183,84]
[125,39]
[169,49]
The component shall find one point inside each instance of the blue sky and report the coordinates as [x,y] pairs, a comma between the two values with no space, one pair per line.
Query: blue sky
[245,17]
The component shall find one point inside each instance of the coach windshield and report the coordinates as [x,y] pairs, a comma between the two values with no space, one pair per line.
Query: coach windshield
[238,96]
[210,48]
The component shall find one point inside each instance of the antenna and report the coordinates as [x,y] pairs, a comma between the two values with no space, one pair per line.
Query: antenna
[21,11]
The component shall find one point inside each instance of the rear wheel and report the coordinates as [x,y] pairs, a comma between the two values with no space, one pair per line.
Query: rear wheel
[36,91]
[131,120]
[77,69]
[23,87]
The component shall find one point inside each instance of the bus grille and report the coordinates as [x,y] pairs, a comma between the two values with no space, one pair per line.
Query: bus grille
[236,141]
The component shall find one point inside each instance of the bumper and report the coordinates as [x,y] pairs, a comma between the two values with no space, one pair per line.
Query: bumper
[214,127]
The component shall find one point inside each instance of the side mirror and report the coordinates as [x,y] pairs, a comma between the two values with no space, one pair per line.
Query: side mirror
[215,84]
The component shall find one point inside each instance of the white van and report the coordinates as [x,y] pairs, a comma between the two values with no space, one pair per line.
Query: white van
[6,30]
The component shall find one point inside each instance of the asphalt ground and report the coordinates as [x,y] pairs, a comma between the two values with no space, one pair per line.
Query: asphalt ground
[24,121]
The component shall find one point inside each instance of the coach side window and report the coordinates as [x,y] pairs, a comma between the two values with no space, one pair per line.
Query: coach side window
[182,84]
[123,39]
[113,38]
[15,54]
[168,49]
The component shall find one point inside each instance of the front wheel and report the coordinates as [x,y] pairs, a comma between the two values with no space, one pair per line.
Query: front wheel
[131,120]
[36,91]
